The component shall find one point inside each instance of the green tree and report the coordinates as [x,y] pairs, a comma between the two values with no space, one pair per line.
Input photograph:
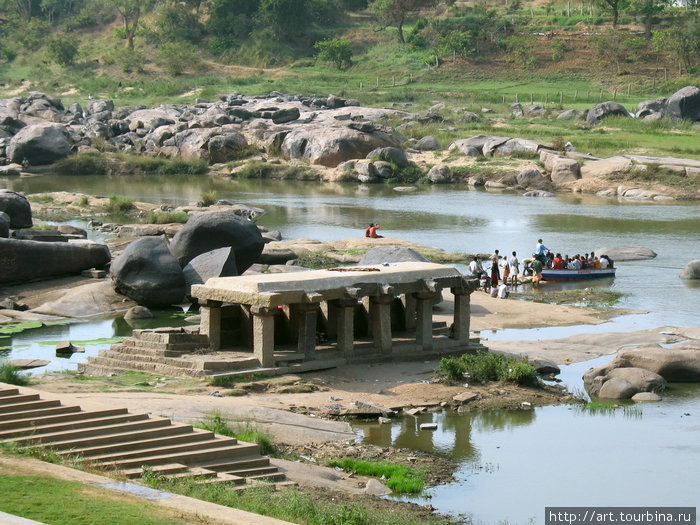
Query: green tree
[62,49]
[460,42]
[177,22]
[336,51]
[613,46]
[681,42]
[130,12]
[394,13]
[648,9]
[175,57]
[283,17]
[231,19]
[614,6]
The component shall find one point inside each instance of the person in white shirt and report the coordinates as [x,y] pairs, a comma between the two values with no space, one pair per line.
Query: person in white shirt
[514,269]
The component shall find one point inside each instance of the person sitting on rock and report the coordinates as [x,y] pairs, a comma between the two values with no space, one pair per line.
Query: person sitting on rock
[369,229]
[373,231]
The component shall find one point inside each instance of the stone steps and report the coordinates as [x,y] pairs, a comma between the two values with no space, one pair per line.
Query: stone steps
[115,439]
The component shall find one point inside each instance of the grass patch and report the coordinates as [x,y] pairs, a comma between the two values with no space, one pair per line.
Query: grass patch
[400,478]
[609,407]
[93,163]
[218,424]
[208,198]
[267,170]
[35,497]
[119,204]
[41,198]
[487,366]
[315,261]
[166,217]
[590,297]
[228,381]
[16,328]
[11,374]
[86,163]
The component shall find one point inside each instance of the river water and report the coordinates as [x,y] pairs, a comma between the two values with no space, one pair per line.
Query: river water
[512,463]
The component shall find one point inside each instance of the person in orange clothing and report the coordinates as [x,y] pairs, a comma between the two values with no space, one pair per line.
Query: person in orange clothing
[369,229]
[373,231]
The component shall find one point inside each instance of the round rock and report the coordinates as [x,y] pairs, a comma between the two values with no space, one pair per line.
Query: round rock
[138,312]
[691,270]
[17,208]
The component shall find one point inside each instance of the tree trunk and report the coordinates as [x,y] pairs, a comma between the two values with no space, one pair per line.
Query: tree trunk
[400,28]
[616,15]
[647,27]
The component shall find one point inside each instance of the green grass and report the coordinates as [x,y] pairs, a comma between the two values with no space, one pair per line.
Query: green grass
[16,328]
[35,497]
[229,381]
[267,170]
[217,423]
[11,374]
[119,204]
[166,217]
[487,366]
[92,163]
[400,478]
[315,261]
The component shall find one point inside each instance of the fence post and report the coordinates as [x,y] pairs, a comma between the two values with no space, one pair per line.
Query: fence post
[629,88]
[546,99]
[377,81]
[360,86]
[411,79]
[516,98]
[531,98]
[561,98]
[393,81]
[575,95]
[600,97]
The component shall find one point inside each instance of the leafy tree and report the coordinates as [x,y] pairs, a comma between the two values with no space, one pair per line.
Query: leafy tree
[681,41]
[283,17]
[336,51]
[175,57]
[177,22]
[648,9]
[231,19]
[62,49]
[130,12]
[614,6]
[613,46]
[460,42]
[393,13]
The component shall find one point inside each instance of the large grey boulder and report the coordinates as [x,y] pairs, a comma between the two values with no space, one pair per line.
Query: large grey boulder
[17,208]
[565,170]
[30,260]
[440,174]
[679,363]
[216,263]
[156,117]
[650,107]
[592,169]
[390,154]
[329,146]
[4,225]
[516,110]
[616,388]
[41,143]
[212,144]
[620,379]
[427,143]
[208,231]
[569,114]
[477,143]
[391,254]
[604,110]
[531,178]
[627,253]
[226,147]
[684,104]
[148,273]
[93,107]
[87,300]
[691,270]
[515,146]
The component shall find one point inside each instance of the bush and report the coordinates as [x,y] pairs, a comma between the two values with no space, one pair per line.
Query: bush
[10,374]
[62,50]
[488,366]
[208,198]
[166,217]
[88,163]
[336,51]
[400,478]
[175,57]
[119,204]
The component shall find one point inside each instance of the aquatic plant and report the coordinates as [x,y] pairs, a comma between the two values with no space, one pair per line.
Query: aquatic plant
[11,374]
[400,478]
[488,366]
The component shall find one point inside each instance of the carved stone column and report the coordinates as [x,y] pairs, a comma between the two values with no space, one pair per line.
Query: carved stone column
[210,324]
[307,330]
[461,315]
[380,314]
[264,334]
[424,319]
[345,315]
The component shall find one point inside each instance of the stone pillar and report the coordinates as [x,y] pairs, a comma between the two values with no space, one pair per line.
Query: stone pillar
[409,304]
[345,315]
[210,324]
[424,319]
[461,315]
[264,334]
[307,330]
[380,314]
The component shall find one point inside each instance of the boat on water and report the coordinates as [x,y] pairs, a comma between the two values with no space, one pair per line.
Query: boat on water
[576,275]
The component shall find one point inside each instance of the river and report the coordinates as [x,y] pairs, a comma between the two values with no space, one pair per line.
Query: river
[513,464]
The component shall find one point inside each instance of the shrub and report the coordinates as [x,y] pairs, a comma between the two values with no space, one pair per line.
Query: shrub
[175,57]
[208,198]
[62,50]
[88,163]
[215,422]
[400,478]
[166,217]
[119,204]
[488,366]
[11,374]
[452,369]
[336,51]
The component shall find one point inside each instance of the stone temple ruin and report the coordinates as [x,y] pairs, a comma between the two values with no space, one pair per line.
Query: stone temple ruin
[304,321]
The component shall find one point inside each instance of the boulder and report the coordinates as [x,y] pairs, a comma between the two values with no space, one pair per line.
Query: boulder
[516,110]
[531,178]
[439,174]
[41,143]
[216,263]
[282,116]
[272,256]
[650,107]
[138,312]
[536,109]
[469,116]
[85,301]
[684,104]
[334,102]
[565,170]
[4,225]
[569,114]
[691,270]
[427,143]
[29,260]
[17,208]
[616,388]
[390,154]
[606,109]
[365,170]
[226,147]
[155,118]
[99,106]
[383,169]
[515,146]
[148,273]
[208,231]
[627,253]
[643,380]
[390,254]
[605,167]
[646,397]
[329,146]
[477,142]
[538,193]
[680,363]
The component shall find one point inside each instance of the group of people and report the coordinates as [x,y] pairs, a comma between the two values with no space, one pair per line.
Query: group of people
[542,258]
